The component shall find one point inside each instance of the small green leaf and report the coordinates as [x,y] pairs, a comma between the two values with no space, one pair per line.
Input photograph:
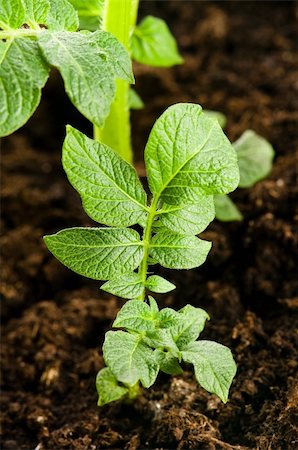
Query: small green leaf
[167,362]
[110,189]
[153,44]
[255,156]
[167,318]
[214,366]
[221,118]
[108,388]
[98,253]
[62,16]
[225,209]
[12,14]
[36,11]
[158,284]
[189,219]
[127,286]
[129,359]
[188,155]
[89,64]
[23,73]
[134,100]
[153,305]
[190,324]
[178,252]
[161,338]
[136,316]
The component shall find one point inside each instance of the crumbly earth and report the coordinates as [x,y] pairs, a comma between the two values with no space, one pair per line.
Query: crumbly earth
[239,59]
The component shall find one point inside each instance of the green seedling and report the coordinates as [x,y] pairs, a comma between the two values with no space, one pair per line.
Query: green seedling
[255,157]
[36,35]
[188,160]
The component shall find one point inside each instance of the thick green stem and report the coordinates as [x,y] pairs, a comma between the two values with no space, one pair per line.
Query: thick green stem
[143,269]
[119,18]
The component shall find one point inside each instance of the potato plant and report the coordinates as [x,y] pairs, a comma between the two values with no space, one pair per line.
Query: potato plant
[188,160]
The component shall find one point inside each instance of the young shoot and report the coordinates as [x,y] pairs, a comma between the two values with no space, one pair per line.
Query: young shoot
[188,160]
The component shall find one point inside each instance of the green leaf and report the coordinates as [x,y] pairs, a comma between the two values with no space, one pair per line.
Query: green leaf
[188,155]
[62,16]
[153,44]
[12,14]
[129,359]
[89,64]
[225,209]
[255,156]
[178,252]
[158,284]
[127,286]
[134,100]
[161,338]
[23,73]
[36,11]
[168,363]
[190,324]
[89,12]
[98,253]
[214,366]
[108,388]
[189,219]
[137,316]
[221,118]
[109,187]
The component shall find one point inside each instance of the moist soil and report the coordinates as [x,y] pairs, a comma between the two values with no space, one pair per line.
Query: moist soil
[239,59]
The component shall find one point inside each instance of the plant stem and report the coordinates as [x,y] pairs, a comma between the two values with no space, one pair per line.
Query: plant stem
[119,18]
[146,240]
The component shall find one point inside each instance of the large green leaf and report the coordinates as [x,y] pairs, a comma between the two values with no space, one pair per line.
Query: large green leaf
[255,156]
[108,388]
[153,44]
[89,67]
[12,14]
[225,209]
[98,253]
[188,155]
[62,16]
[23,73]
[129,359]
[189,219]
[36,11]
[178,252]
[110,189]
[214,366]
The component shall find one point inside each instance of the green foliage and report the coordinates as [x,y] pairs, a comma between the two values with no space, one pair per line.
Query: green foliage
[221,118]
[89,13]
[188,160]
[255,156]
[151,343]
[134,100]
[88,62]
[153,44]
[225,209]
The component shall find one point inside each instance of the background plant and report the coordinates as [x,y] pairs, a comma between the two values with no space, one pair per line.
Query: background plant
[188,160]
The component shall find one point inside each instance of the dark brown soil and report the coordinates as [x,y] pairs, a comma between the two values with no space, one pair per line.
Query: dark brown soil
[240,58]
